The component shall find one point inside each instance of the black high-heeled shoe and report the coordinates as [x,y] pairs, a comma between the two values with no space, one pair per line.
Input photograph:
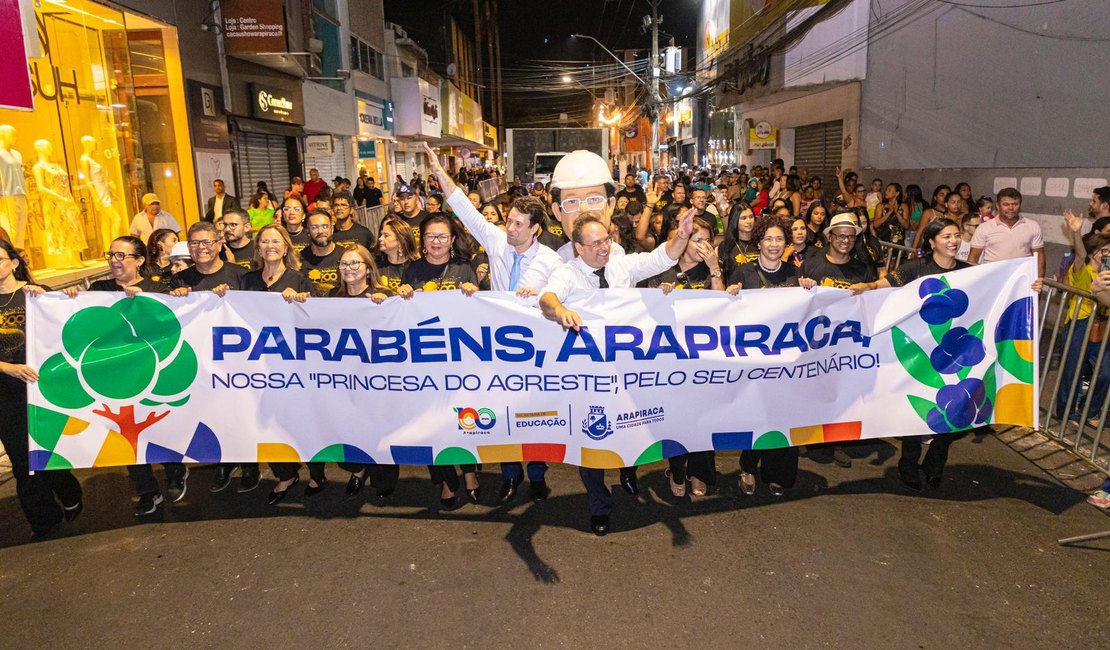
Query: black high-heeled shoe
[310,491]
[474,494]
[354,486]
[449,503]
[277,497]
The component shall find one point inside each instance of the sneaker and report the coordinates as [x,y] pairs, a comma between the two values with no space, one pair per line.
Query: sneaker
[248,481]
[148,503]
[177,487]
[1100,499]
[222,478]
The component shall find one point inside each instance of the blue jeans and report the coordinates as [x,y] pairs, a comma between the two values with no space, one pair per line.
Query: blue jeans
[1068,375]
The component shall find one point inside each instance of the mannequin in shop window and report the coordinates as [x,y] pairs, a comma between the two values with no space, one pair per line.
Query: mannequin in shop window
[112,224]
[13,193]
[61,220]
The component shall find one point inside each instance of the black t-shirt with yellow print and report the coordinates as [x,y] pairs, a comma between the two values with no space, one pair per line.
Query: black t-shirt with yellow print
[322,270]
[391,274]
[735,254]
[422,275]
[697,277]
[841,276]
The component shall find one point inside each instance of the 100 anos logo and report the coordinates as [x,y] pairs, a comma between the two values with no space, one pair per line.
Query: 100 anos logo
[482,419]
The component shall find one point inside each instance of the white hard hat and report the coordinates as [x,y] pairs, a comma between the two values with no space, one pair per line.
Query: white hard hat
[180,251]
[581,168]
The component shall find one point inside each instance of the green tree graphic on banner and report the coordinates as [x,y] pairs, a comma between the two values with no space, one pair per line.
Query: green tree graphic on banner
[129,352]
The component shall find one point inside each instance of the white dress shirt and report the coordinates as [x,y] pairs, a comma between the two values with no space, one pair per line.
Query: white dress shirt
[622,272]
[539,261]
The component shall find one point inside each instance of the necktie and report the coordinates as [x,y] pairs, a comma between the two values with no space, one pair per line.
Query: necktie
[601,281]
[514,273]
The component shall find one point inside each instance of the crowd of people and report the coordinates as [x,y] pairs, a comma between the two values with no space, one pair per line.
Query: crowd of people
[728,230]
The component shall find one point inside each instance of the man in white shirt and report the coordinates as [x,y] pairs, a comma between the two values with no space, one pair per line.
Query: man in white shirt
[517,262]
[152,218]
[596,268]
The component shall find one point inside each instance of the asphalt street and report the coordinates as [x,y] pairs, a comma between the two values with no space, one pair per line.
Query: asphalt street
[850,559]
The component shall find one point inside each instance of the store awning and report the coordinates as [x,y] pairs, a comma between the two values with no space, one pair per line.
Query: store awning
[269,128]
[456,141]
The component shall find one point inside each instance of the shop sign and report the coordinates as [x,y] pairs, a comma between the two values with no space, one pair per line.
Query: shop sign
[489,135]
[318,145]
[762,136]
[272,104]
[253,26]
[418,107]
[374,120]
[206,112]
[16,91]
[367,149]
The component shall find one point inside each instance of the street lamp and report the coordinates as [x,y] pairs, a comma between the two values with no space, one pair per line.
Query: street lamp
[653,90]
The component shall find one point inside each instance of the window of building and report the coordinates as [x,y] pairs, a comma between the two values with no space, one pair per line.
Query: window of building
[365,58]
[108,127]
[407,70]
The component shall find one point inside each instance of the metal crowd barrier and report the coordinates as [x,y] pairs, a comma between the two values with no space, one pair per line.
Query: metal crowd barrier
[1080,425]
[371,217]
[1061,337]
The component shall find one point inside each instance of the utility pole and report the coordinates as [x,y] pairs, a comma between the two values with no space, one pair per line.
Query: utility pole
[655,99]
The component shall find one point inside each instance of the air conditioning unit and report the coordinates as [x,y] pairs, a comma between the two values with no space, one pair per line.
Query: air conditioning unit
[315,45]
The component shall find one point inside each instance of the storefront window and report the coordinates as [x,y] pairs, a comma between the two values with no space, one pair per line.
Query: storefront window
[102,134]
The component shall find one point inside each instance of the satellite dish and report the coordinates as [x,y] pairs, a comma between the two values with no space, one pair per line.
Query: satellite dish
[451,69]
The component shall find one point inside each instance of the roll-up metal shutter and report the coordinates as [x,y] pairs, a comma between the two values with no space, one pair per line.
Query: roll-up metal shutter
[817,148]
[262,157]
[399,167]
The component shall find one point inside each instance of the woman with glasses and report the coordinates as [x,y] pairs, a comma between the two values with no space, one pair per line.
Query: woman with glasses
[358,278]
[293,213]
[445,266]
[40,493]
[127,259]
[697,268]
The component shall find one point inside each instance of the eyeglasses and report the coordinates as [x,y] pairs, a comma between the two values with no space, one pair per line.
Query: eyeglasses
[440,238]
[1103,252]
[198,243]
[601,243]
[320,226]
[117,256]
[843,236]
[595,202]
[353,265]
[292,208]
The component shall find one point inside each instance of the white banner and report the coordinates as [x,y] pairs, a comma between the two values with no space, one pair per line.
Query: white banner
[447,379]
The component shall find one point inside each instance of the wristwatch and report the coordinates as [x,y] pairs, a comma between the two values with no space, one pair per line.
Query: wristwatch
[715,274]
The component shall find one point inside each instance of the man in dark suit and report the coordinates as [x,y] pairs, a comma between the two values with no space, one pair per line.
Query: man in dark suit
[221,203]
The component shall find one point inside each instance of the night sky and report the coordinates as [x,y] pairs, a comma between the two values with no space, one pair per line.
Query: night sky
[536,46]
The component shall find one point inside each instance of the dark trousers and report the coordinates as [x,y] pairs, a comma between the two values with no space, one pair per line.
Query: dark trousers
[142,476]
[779,466]
[935,458]
[38,493]
[286,471]
[1072,366]
[701,465]
[515,472]
[382,477]
[600,498]
[446,474]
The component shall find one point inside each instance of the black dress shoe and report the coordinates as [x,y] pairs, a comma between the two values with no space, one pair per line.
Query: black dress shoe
[933,481]
[912,482]
[540,491]
[599,524]
[449,503]
[384,493]
[354,486]
[628,482]
[474,494]
[310,491]
[71,513]
[277,497]
[508,490]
